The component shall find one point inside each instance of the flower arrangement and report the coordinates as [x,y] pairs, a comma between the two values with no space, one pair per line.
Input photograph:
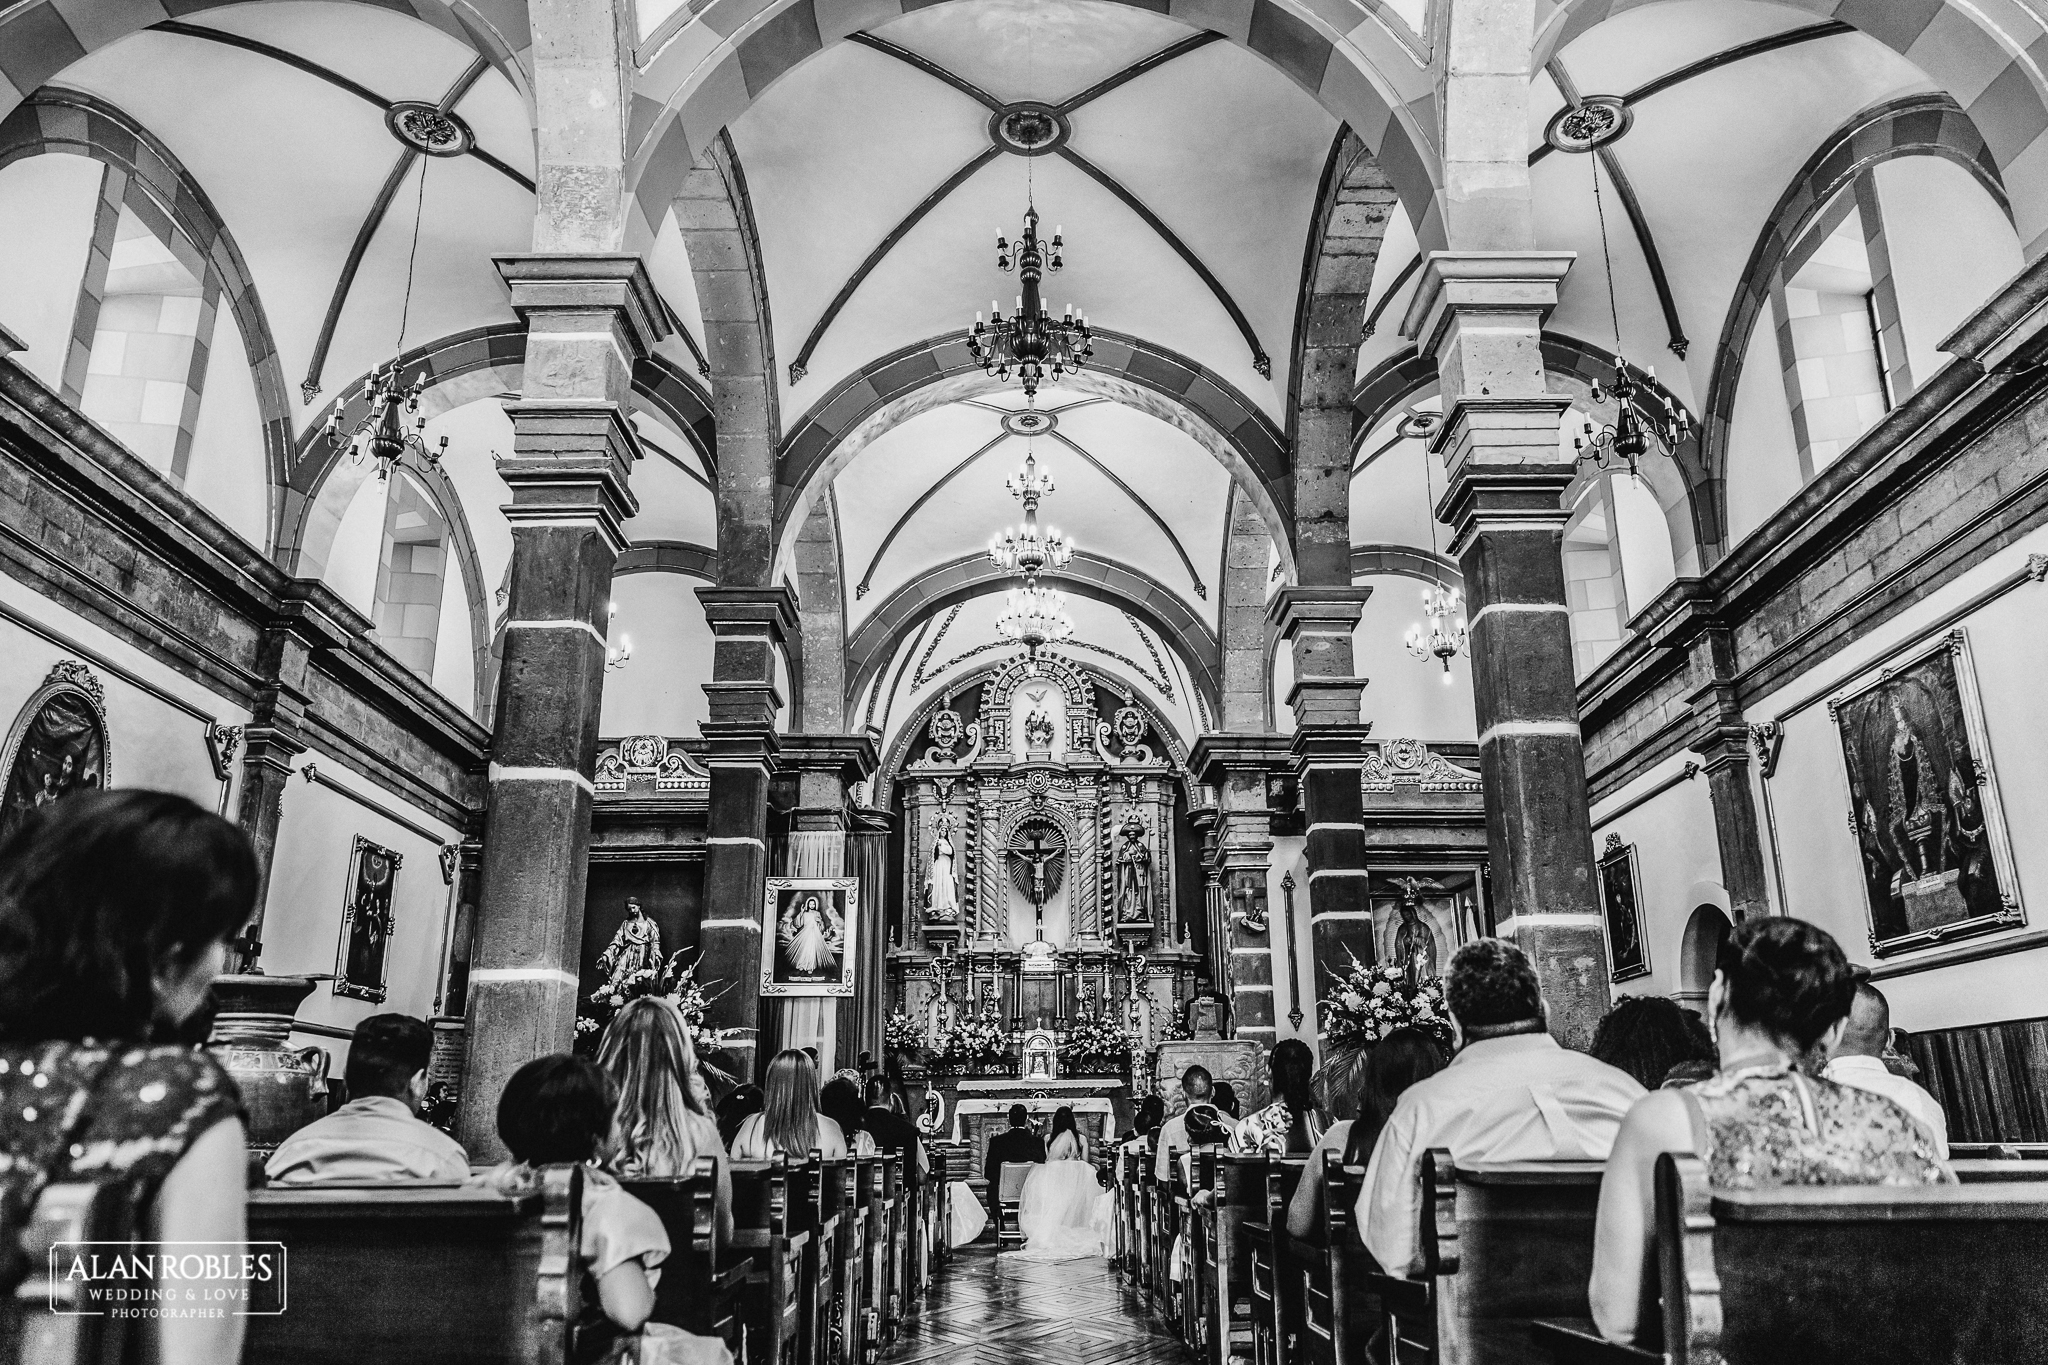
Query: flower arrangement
[974,1040]
[1370,1002]
[902,1033]
[676,979]
[1095,1042]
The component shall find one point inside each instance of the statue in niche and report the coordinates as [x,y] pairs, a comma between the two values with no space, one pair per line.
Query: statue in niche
[1414,941]
[635,947]
[1133,873]
[1038,732]
[942,888]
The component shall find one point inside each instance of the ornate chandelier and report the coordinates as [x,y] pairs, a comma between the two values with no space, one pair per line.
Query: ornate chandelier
[384,434]
[1029,551]
[1031,341]
[1446,633]
[1638,413]
[1035,617]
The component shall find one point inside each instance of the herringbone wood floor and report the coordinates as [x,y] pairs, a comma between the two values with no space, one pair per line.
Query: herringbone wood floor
[986,1309]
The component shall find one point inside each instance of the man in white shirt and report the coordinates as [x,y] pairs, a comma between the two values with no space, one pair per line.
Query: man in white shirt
[1858,1061]
[1196,1088]
[1510,1094]
[377,1135]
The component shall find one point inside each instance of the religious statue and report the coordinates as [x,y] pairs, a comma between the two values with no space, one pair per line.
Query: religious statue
[1040,862]
[1133,874]
[942,887]
[1414,941]
[1038,732]
[636,946]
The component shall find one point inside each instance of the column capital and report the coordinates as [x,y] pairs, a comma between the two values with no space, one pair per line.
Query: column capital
[1318,746]
[577,291]
[766,612]
[571,465]
[851,758]
[1214,757]
[1317,610]
[1455,282]
[736,743]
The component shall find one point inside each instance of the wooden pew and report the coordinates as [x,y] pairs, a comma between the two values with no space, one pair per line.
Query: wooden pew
[814,1210]
[845,1184]
[1275,1286]
[1130,1220]
[1237,1185]
[430,1272]
[1185,1294]
[888,1258]
[1006,1197]
[1842,1275]
[703,1286]
[1998,1151]
[1160,1228]
[764,1225]
[1341,1311]
[1502,1247]
[47,1320]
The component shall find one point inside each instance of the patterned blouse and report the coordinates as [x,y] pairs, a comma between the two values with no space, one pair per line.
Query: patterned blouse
[1266,1131]
[142,1109]
[1771,1125]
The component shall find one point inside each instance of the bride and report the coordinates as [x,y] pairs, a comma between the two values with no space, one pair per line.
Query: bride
[1064,1212]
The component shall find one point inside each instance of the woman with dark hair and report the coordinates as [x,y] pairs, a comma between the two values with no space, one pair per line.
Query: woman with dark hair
[1647,1035]
[740,1103]
[1395,1062]
[1064,1211]
[840,1102]
[789,1121]
[1778,1004]
[1151,1113]
[1294,1121]
[115,912]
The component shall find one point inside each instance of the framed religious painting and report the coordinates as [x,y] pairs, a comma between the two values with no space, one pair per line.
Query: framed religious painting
[1422,915]
[808,927]
[1924,811]
[57,744]
[1621,906]
[363,962]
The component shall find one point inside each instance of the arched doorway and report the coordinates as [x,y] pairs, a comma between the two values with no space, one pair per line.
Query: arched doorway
[1705,932]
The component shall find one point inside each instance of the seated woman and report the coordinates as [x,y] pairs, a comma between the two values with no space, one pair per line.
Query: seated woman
[559,1110]
[1649,1037]
[660,1126]
[789,1123]
[1293,1121]
[1064,1212]
[1206,1131]
[840,1102]
[115,910]
[1779,1001]
[1395,1062]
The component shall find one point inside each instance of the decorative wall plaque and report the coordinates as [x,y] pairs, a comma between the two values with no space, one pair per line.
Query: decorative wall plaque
[364,959]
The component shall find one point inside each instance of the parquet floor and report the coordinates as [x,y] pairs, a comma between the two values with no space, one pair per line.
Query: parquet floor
[990,1310]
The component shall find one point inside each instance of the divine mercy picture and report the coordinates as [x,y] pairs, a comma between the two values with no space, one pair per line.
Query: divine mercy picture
[807,931]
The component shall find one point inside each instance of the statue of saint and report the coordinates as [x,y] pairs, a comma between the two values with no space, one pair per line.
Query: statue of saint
[1133,875]
[636,946]
[944,906]
[1414,941]
[1038,733]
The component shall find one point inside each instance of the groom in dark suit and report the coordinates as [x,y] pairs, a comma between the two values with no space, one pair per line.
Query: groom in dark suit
[1018,1144]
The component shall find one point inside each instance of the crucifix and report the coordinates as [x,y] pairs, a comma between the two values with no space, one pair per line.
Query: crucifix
[1038,855]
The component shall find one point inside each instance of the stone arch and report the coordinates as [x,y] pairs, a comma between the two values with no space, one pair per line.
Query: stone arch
[1917,125]
[73,122]
[1955,44]
[1151,379]
[1080,706]
[704,69]
[872,646]
[1705,932]
[821,619]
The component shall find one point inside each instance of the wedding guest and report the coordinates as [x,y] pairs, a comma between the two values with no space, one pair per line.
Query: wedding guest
[1018,1143]
[1859,1060]
[789,1121]
[892,1132]
[1198,1090]
[115,911]
[840,1102]
[1226,1100]
[661,1126]
[742,1102]
[1395,1062]
[1293,1122]
[1509,1094]
[1151,1114]
[1647,1035]
[1779,1002]
[559,1110]
[378,1134]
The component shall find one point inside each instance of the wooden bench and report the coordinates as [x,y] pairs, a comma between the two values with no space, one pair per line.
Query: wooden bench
[46,1321]
[1998,1151]
[1340,1312]
[1275,1289]
[888,1245]
[764,1225]
[1841,1275]
[423,1272]
[703,1287]
[1237,1186]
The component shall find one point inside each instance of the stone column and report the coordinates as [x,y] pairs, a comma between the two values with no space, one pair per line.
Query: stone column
[825,768]
[588,318]
[1721,739]
[1237,766]
[1481,315]
[861,1019]
[748,626]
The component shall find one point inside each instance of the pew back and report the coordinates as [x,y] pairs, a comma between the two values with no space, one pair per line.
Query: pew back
[1514,1243]
[762,1223]
[42,1324]
[437,1274]
[698,1289]
[1868,1274]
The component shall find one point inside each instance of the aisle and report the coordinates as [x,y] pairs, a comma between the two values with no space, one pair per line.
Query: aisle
[990,1310]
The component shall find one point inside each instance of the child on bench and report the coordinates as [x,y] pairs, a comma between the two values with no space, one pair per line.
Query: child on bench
[559,1109]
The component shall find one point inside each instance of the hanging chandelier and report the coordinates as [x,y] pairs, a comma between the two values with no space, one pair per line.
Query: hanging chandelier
[1035,617]
[1639,410]
[1031,342]
[1446,634]
[1031,550]
[385,435]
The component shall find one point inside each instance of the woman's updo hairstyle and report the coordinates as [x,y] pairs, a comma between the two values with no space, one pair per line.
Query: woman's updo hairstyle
[1787,977]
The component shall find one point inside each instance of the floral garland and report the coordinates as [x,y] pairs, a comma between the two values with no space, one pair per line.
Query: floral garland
[902,1033]
[1368,1003]
[1093,1036]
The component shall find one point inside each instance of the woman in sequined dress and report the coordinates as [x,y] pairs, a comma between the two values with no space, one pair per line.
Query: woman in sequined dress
[115,911]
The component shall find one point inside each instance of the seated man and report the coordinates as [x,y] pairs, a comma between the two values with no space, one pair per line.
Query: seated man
[377,1135]
[1198,1089]
[1859,1061]
[1510,1094]
[1018,1144]
[894,1133]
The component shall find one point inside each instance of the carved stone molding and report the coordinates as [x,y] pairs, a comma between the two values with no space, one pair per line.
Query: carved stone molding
[1412,763]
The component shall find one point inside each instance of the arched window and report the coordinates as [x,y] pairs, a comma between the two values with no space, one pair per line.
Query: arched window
[412,575]
[1593,587]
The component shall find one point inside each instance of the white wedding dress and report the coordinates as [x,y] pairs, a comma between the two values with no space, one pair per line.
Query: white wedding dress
[1064,1212]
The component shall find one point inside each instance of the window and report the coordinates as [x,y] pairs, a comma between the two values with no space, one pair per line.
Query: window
[1828,340]
[411,570]
[1592,579]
